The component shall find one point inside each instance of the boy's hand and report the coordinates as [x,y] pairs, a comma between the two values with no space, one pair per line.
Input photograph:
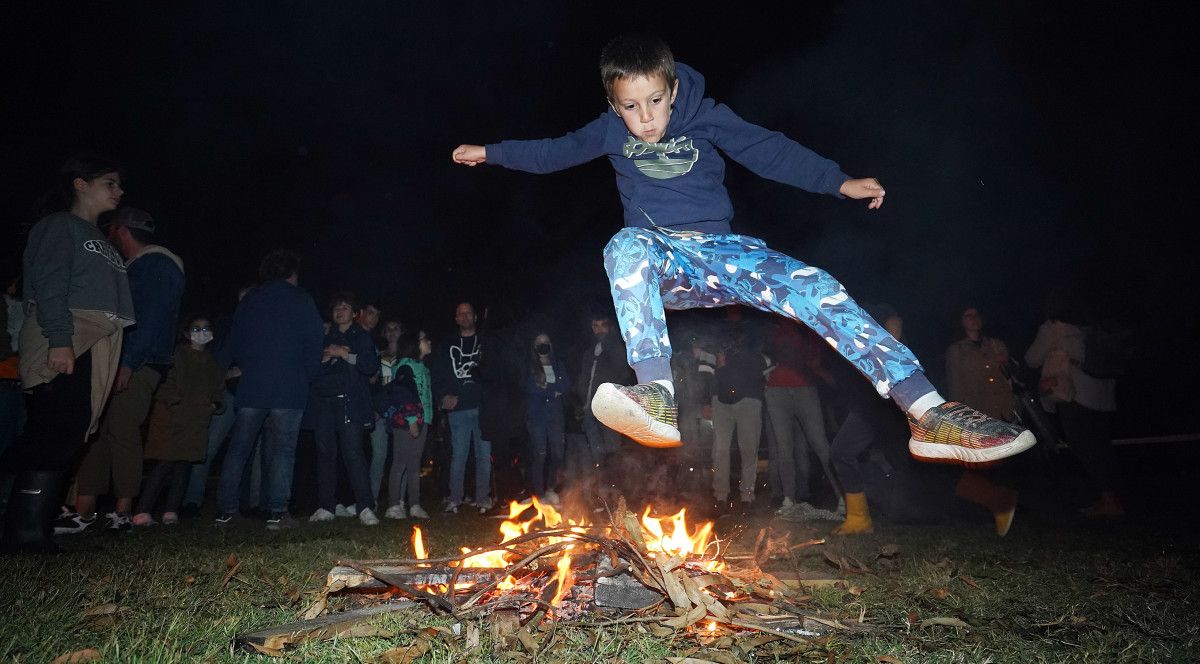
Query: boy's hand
[861,188]
[470,155]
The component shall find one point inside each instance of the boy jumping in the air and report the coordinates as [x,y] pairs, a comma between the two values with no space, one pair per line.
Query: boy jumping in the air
[677,252]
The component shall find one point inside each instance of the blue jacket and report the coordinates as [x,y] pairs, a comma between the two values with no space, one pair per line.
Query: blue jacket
[275,340]
[339,377]
[545,401]
[156,285]
[680,182]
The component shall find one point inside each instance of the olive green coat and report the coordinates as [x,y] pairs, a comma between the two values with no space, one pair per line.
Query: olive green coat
[183,406]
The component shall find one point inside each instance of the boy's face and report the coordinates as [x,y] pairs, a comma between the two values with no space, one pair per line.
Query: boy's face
[343,313]
[644,103]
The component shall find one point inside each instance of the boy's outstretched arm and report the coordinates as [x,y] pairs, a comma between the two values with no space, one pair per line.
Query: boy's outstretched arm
[860,188]
[470,155]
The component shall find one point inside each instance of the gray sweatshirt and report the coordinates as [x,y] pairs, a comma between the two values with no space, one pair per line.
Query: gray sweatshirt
[69,265]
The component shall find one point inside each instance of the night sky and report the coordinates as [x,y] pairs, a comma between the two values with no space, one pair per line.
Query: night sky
[1022,145]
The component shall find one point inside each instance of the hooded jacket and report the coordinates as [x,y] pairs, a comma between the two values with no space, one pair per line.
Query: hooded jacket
[156,283]
[678,183]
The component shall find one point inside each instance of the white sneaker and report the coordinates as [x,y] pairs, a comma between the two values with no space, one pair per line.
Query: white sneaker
[788,507]
[345,511]
[451,508]
[551,497]
[484,506]
[321,514]
[644,412]
[396,511]
[418,512]
[367,517]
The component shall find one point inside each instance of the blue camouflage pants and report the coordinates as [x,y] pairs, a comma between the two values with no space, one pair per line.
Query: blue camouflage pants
[654,269]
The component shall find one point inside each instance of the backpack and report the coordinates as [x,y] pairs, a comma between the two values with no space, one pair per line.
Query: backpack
[399,399]
[1108,350]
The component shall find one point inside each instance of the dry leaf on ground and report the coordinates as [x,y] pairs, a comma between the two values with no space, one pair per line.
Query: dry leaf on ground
[411,652]
[79,657]
[944,621]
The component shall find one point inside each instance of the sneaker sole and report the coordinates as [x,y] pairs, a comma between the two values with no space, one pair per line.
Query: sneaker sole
[945,452]
[621,414]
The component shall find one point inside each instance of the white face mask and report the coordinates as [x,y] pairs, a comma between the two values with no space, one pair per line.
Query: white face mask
[200,338]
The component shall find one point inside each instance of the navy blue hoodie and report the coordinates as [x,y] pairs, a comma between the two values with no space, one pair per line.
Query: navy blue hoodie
[680,182]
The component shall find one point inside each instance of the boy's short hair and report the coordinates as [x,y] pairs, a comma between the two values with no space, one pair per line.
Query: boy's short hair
[279,264]
[347,297]
[635,54]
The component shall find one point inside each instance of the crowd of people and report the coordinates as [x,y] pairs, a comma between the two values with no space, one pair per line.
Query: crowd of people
[342,411]
[101,356]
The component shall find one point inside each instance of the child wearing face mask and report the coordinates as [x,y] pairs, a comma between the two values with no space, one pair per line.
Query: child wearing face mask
[178,435]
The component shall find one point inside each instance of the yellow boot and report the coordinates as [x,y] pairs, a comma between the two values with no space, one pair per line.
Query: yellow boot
[858,519]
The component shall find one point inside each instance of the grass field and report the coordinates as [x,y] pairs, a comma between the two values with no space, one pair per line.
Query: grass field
[1057,589]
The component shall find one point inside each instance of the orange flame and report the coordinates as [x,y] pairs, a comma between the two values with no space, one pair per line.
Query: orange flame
[418,544]
[564,577]
[678,542]
[545,516]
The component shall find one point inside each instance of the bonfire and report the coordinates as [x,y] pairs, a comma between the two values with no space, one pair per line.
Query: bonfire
[658,571]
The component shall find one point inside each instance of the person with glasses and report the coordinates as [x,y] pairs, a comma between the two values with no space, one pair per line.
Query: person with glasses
[178,434]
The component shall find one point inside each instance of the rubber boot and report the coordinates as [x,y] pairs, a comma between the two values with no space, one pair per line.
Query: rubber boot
[998,499]
[28,523]
[858,518]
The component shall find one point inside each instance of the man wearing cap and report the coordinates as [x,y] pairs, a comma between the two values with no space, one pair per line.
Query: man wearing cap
[156,284]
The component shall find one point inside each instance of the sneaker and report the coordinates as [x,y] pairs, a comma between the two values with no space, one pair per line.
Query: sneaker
[788,508]
[143,519]
[551,497]
[645,413]
[345,511]
[418,512]
[367,517]
[225,519]
[956,432]
[396,511]
[119,522]
[71,523]
[450,508]
[321,514]
[484,506]
[170,519]
[280,521]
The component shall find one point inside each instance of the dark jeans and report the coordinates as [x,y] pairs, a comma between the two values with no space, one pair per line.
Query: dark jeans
[547,439]
[12,412]
[335,434]
[1089,435]
[602,441]
[865,426]
[280,427]
[58,416]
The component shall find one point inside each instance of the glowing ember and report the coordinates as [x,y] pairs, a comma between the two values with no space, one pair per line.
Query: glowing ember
[418,544]
[564,577]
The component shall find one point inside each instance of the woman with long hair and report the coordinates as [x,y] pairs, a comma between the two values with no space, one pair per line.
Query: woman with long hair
[77,304]
[546,385]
